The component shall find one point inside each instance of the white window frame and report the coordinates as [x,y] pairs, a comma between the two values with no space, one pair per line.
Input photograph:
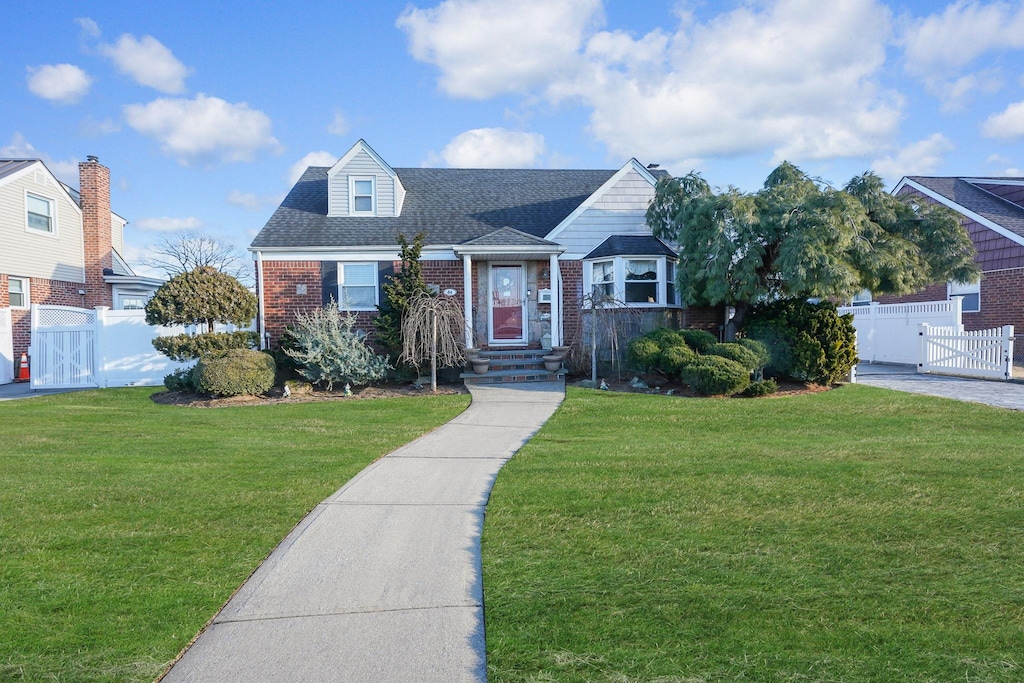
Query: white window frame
[965,290]
[862,298]
[619,280]
[352,181]
[342,303]
[52,232]
[26,294]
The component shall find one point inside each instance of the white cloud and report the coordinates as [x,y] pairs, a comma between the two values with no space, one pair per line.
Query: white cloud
[18,148]
[1003,165]
[493,148]
[941,46]
[338,125]
[252,201]
[148,62]
[166,224]
[91,128]
[1007,125]
[62,83]
[203,129]
[90,29]
[488,47]
[923,157]
[312,159]
[794,78]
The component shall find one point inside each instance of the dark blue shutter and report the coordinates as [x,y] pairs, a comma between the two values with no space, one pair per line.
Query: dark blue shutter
[328,282]
[385,269]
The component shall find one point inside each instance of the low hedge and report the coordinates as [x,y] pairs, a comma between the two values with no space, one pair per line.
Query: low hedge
[716,376]
[235,372]
[736,352]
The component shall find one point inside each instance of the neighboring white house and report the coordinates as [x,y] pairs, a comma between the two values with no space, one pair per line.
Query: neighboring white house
[59,246]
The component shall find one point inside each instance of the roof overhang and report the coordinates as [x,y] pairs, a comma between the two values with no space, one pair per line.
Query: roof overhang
[946,201]
[134,281]
[484,252]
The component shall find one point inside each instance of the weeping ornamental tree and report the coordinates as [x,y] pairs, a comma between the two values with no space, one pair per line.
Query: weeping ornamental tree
[800,238]
[433,332]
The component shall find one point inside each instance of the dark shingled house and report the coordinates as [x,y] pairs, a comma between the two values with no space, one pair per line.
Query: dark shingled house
[518,248]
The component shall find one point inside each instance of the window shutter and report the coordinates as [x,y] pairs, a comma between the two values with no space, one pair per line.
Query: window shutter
[385,269]
[328,282]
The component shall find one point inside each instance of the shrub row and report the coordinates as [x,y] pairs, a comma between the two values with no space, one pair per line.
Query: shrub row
[698,359]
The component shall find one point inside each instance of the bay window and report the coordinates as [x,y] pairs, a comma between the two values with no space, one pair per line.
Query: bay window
[634,281]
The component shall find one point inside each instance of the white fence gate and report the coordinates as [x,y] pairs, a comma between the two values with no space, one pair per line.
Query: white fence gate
[63,349]
[981,353]
[6,346]
[888,333]
[76,347]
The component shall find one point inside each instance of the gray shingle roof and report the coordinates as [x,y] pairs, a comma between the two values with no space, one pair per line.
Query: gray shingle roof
[9,166]
[631,245]
[1001,212]
[450,205]
[509,237]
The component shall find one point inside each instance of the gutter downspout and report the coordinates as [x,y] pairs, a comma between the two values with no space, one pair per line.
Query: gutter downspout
[261,321]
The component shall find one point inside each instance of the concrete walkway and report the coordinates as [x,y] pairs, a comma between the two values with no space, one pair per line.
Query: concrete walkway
[382,581]
[906,378]
[16,390]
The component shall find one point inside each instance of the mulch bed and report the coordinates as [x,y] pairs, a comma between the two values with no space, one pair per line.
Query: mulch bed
[656,385]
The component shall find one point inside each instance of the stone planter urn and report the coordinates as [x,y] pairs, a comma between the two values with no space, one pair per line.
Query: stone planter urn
[560,351]
[553,362]
[480,364]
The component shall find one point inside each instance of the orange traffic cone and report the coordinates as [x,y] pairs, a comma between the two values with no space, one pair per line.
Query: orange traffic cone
[23,372]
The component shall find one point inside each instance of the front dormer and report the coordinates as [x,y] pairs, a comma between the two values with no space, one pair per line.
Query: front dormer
[361,184]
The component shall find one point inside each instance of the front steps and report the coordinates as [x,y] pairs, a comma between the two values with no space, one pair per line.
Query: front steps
[520,365]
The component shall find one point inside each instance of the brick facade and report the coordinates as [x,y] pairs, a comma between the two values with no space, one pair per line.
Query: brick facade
[52,292]
[1002,280]
[282,295]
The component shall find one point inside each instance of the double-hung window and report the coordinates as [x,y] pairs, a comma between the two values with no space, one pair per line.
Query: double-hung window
[642,282]
[39,213]
[357,286]
[17,292]
[362,190]
[602,280]
[969,292]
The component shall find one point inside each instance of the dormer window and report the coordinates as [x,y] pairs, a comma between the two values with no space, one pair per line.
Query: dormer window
[362,190]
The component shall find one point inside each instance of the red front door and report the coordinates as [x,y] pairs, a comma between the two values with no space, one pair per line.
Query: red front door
[508,305]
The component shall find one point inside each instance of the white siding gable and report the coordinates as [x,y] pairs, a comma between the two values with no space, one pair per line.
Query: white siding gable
[362,163]
[57,256]
[619,207]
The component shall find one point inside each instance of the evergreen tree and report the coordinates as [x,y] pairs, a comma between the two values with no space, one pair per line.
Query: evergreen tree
[399,291]
[800,238]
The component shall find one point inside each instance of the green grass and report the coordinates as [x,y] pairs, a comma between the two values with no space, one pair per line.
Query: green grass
[854,535]
[125,525]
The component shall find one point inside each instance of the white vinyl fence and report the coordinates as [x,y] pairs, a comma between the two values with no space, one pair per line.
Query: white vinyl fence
[6,347]
[77,347]
[981,353]
[888,333]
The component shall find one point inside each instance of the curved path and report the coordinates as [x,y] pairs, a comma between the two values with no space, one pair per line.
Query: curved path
[382,581]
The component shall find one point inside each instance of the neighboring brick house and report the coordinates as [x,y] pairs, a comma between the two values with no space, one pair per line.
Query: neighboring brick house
[992,211]
[59,246]
[517,248]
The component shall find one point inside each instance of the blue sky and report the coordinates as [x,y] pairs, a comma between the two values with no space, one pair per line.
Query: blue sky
[206,111]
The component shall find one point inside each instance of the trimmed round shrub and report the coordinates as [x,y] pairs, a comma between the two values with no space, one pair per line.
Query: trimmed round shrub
[716,376]
[644,353]
[180,380]
[735,352]
[185,347]
[665,337]
[235,372]
[764,357]
[808,342]
[698,340]
[764,387]
[674,359]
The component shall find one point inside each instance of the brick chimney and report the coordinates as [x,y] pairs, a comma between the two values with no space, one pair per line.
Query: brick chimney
[94,189]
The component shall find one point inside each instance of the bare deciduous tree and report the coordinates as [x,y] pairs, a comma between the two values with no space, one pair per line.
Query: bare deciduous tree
[185,253]
[433,330]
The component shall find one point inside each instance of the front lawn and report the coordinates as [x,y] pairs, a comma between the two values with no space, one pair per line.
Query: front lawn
[125,525]
[854,535]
